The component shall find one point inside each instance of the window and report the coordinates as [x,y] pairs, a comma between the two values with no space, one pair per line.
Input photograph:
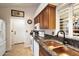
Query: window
[63,14]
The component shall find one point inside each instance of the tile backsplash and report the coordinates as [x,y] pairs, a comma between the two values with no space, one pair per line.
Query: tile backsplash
[49,31]
[71,41]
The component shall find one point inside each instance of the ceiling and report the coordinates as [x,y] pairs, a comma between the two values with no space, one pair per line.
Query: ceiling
[24,4]
[19,4]
[56,4]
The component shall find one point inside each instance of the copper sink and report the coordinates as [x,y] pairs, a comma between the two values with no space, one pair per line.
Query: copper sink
[52,44]
[59,49]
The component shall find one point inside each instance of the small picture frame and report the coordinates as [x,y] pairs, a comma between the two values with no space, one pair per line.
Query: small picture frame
[16,13]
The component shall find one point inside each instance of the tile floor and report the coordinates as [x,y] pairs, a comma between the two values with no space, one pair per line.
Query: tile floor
[19,50]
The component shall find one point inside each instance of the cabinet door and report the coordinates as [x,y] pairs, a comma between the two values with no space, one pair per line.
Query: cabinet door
[52,17]
[43,52]
[41,20]
[36,20]
[46,18]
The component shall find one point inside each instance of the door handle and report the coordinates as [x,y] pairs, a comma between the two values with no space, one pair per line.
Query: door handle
[11,30]
[15,32]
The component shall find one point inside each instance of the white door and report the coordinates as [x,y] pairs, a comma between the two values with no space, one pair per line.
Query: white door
[18,30]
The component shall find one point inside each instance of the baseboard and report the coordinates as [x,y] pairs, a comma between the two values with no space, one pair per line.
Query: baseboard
[18,43]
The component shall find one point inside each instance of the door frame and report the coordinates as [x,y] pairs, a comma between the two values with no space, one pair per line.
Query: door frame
[11,43]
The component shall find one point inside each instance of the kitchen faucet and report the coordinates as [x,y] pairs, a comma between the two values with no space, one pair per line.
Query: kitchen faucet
[64,39]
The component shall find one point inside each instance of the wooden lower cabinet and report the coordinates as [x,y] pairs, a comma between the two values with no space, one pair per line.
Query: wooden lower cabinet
[43,52]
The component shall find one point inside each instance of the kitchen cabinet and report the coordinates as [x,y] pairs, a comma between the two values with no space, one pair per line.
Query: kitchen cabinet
[36,20]
[41,20]
[47,17]
[42,52]
[52,17]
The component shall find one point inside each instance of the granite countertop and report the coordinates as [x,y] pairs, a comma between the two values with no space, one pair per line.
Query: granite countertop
[53,38]
[39,40]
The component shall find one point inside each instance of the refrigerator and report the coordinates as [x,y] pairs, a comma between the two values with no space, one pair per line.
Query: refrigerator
[2,38]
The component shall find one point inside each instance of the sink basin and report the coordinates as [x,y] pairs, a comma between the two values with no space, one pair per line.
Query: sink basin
[59,49]
[52,44]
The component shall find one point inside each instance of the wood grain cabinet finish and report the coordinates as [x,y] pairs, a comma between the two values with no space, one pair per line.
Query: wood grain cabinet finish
[41,20]
[36,20]
[47,18]
[52,17]
[42,52]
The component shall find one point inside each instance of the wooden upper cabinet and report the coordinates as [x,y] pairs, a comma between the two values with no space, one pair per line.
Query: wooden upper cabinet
[36,20]
[41,20]
[47,18]
[52,17]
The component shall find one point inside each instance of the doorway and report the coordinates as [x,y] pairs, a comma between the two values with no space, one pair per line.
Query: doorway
[18,32]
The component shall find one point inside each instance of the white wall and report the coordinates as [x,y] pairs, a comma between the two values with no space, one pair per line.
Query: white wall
[5,14]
